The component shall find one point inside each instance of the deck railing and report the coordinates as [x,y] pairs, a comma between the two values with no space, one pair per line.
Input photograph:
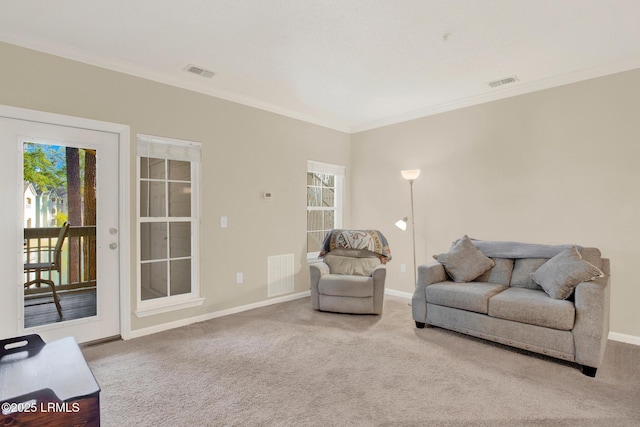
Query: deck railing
[78,260]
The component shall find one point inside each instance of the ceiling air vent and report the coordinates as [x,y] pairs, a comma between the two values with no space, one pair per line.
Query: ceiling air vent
[505,81]
[199,71]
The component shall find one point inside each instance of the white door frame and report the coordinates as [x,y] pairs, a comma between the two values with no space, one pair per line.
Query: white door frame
[124,189]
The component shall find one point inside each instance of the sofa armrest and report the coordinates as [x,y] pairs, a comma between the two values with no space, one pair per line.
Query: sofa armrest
[316,271]
[591,328]
[428,274]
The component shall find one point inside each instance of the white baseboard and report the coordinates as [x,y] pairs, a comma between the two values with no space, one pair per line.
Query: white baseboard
[629,339]
[184,322]
[400,294]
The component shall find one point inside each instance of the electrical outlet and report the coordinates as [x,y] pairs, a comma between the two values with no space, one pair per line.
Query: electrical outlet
[239,278]
[403,268]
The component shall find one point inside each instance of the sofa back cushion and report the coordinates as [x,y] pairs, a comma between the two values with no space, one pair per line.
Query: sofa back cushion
[500,273]
[353,266]
[522,269]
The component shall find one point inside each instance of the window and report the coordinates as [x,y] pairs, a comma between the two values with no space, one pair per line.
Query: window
[325,188]
[168,218]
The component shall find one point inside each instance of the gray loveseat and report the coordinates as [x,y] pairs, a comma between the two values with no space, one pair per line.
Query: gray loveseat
[552,300]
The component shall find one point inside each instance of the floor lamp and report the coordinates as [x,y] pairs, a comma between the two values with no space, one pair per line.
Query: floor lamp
[410,175]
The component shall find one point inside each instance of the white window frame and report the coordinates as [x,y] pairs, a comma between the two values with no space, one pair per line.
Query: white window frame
[339,173]
[171,149]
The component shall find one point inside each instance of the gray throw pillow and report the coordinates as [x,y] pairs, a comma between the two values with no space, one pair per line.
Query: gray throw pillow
[561,274]
[464,262]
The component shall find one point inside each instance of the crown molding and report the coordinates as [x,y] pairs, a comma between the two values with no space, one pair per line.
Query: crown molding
[124,67]
[503,93]
[338,125]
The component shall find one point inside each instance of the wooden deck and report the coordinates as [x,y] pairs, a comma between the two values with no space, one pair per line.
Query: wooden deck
[41,310]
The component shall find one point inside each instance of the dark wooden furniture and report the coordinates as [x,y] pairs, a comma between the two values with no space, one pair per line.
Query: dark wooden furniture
[46,384]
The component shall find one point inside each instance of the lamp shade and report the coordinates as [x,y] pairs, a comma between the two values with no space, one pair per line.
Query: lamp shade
[410,174]
[402,223]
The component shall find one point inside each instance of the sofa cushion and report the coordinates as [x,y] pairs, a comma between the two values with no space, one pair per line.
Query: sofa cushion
[561,274]
[471,296]
[500,273]
[339,285]
[351,265]
[522,269]
[464,262]
[534,307]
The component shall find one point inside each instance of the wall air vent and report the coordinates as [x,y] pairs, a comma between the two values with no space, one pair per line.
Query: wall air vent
[199,71]
[505,81]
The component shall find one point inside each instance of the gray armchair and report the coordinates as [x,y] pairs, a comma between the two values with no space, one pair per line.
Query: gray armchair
[348,281]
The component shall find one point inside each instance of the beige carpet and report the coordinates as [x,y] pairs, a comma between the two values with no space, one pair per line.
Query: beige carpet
[286,365]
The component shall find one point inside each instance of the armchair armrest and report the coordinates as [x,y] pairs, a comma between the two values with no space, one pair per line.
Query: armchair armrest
[379,275]
[319,268]
[428,274]
[316,271]
[591,328]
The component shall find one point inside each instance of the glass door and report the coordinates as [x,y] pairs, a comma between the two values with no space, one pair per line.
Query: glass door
[66,279]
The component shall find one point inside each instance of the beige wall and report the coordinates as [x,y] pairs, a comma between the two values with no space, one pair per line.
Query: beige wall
[245,151]
[555,166]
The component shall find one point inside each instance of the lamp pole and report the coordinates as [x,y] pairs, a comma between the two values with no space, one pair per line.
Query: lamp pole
[413,235]
[411,175]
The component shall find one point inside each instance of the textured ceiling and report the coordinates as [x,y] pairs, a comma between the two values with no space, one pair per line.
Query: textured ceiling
[350,65]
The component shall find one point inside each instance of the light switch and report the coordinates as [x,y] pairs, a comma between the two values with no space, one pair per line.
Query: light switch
[223,222]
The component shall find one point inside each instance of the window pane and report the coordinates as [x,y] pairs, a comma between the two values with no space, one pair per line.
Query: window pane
[153,277]
[314,220]
[153,241]
[179,199]
[152,199]
[180,238]
[144,199]
[328,198]
[179,170]
[313,196]
[151,168]
[314,241]
[144,167]
[327,180]
[311,178]
[156,168]
[329,220]
[180,277]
